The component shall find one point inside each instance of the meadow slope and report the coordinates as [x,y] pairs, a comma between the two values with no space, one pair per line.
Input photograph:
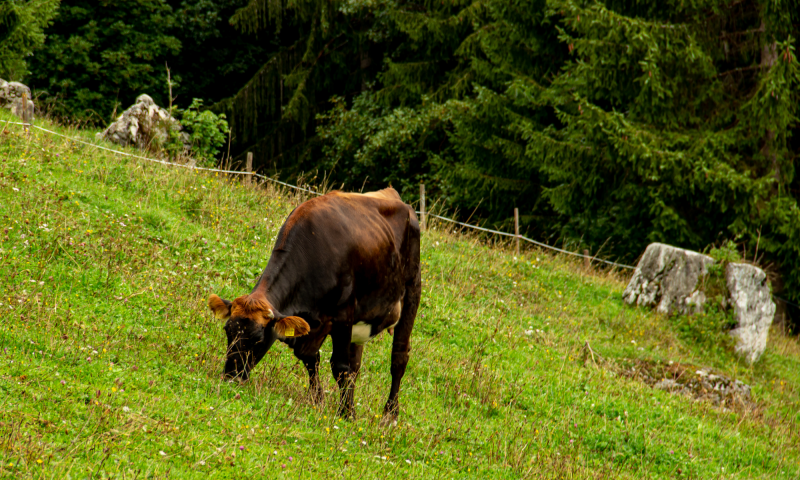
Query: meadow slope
[110,361]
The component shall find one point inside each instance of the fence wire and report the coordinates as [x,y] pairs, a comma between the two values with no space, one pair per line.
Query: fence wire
[237,172]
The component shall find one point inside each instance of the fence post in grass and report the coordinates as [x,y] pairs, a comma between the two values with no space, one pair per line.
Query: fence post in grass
[25,118]
[516,228]
[249,168]
[422,206]
[587,261]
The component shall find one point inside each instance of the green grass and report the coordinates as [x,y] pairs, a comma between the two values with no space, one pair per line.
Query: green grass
[112,259]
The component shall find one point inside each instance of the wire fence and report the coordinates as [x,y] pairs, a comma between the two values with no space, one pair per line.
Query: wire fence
[270,179]
[302,189]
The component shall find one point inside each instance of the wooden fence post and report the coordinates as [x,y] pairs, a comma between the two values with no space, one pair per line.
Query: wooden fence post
[25,119]
[422,206]
[587,261]
[249,168]
[516,228]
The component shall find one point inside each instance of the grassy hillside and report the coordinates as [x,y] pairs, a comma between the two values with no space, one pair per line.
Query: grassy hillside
[110,361]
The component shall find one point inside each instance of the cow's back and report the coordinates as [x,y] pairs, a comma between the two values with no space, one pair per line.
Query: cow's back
[344,248]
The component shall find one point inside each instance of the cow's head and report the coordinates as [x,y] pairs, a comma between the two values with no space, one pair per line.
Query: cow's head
[252,326]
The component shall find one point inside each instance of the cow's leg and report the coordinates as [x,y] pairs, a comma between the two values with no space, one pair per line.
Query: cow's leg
[314,387]
[401,346]
[306,349]
[340,366]
[356,351]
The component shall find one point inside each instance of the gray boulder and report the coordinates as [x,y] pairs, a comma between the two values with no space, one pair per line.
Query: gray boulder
[753,308]
[11,94]
[144,125]
[666,278]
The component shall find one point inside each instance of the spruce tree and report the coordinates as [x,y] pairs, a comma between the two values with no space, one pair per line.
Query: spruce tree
[319,48]
[673,126]
[611,124]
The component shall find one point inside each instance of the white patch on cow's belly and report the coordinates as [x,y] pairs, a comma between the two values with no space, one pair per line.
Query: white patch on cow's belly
[361,333]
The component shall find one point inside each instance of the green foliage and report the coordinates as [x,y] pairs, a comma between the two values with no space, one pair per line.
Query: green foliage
[216,59]
[608,123]
[728,252]
[316,51]
[22,25]
[714,283]
[371,147]
[101,55]
[709,330]
[661,132]
[9,20]
[207,130]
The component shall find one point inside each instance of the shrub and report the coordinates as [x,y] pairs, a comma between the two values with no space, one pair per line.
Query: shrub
[206,130]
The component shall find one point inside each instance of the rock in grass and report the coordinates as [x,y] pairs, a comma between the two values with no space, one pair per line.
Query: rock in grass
[666,277]
[11,94]
[753,308]
[144,125]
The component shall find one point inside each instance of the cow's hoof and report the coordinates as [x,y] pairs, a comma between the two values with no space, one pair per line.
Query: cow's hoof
[389,420]
[347,415]
[316,398]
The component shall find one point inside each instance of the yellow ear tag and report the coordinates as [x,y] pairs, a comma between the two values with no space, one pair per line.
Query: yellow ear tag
[289,332]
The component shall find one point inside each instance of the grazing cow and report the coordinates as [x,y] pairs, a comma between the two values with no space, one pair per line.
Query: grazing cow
[345,265]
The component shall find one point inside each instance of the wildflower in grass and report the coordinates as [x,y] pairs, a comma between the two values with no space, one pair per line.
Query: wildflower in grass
[241,447]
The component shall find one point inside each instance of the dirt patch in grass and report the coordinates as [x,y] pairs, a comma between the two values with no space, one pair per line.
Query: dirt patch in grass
[699,383]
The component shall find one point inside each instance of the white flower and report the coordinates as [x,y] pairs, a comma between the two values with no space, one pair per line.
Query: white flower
[408,461]
[161,452]
[126,409]
[15,189]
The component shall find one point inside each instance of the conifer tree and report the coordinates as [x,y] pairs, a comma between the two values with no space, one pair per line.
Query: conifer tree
[611,123]
[320,48]
[673,125]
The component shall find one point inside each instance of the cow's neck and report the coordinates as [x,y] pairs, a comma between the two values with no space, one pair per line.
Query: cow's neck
[275,294]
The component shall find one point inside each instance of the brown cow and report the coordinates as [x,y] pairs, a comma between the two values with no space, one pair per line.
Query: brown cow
[345,265]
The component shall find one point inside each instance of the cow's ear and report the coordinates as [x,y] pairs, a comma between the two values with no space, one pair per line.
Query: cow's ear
[220,307]
[291,327]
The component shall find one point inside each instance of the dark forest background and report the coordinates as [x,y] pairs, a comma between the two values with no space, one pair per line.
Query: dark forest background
[610,124]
